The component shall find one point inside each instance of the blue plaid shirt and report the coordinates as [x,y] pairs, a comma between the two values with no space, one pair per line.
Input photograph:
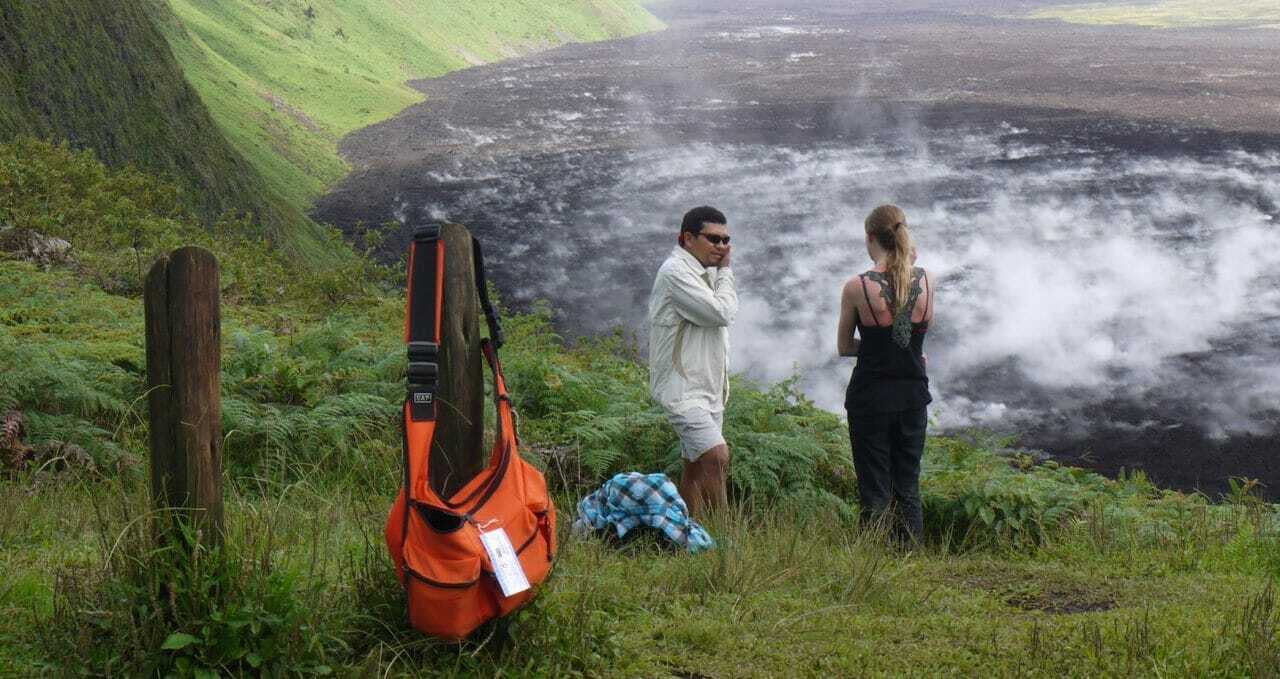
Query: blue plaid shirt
[633,499]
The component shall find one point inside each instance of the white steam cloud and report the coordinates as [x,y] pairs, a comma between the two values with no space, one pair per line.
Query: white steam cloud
[1081,276]
[1069,271]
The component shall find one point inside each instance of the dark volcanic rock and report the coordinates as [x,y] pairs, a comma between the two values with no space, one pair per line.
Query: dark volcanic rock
[1098,205]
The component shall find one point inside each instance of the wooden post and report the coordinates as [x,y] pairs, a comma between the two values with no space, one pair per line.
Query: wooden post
[459,453]
[184,382]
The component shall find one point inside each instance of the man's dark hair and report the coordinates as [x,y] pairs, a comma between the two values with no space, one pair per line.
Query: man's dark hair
[694,219]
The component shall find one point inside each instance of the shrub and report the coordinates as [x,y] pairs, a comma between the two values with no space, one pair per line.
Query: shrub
[978,497]
[315,401]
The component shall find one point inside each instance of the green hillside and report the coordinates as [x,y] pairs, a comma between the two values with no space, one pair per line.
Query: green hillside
[100,76]
[1170,13]
[286,79]
[247,117]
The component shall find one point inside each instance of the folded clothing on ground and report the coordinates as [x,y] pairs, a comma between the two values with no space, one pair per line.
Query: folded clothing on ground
[632,499]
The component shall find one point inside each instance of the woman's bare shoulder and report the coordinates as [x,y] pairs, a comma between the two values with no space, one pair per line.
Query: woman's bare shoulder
[853,285]
[926,278]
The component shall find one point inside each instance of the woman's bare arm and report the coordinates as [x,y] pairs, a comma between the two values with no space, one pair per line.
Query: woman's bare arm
[846,343]
[928,313]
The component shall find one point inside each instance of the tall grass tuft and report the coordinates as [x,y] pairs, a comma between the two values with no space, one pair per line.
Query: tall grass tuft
[1259,622]
[147,605]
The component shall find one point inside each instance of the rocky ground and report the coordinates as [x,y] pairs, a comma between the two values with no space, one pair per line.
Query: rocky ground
[1221,79]
[573,158]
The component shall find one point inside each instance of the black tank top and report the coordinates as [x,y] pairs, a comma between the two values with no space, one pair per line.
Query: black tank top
[890,375]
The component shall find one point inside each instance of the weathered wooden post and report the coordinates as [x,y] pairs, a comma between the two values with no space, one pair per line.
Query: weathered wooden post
[459,453]
[183,379]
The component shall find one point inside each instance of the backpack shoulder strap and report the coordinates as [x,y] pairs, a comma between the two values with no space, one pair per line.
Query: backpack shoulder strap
[505,440]
[423,321]
[425,314]
[482,288]
[424,299]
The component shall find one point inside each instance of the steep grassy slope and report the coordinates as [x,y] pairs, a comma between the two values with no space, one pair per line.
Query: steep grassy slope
[281,80]
[285,79]
[100,76]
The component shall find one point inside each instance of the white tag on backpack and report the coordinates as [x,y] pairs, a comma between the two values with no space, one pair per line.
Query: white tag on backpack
[506,563]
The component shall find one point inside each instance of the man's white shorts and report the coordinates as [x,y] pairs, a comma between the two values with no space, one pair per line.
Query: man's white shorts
[699,431]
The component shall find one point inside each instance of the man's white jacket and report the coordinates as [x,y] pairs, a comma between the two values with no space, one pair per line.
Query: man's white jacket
[690,310]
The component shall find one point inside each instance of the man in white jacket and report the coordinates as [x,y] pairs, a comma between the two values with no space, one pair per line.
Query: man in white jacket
[690,309]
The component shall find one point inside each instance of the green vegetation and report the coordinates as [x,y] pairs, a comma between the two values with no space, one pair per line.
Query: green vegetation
[1029,568]
[102,77]
[1169,13]
[286,79]
[241,103]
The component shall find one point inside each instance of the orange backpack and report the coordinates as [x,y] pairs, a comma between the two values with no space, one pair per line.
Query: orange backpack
[443,548]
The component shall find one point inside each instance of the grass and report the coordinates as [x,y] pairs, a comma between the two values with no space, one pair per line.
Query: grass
[1170,13]
[286,79]
[784,595]
[241,103]
[1131,580]
[1029,569]
[103,78]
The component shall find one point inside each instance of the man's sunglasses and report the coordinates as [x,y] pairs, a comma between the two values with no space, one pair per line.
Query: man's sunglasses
[715,239]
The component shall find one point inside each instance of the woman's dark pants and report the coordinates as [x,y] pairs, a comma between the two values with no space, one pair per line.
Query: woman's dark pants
[886,454]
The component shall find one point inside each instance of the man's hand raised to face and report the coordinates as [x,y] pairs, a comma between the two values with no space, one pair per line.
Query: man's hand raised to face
[710,246]
[724,261]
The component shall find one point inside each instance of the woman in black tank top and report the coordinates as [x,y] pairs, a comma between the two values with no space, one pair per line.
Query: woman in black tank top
[890,306]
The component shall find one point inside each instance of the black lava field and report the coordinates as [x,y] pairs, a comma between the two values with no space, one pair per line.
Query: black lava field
[1108,280]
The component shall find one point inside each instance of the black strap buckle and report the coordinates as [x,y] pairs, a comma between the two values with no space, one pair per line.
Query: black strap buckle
[427,233]
[423,352]
[424,380]
[424,373]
